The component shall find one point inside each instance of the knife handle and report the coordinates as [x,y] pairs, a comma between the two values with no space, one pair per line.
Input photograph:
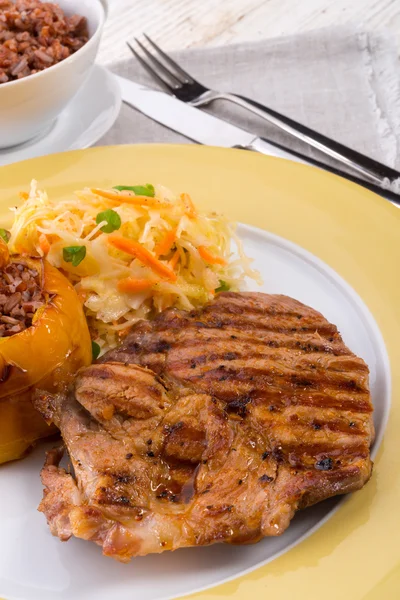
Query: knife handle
[364,165]
[267,147]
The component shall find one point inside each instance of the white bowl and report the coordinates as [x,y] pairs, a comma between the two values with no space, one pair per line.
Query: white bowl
[28,106]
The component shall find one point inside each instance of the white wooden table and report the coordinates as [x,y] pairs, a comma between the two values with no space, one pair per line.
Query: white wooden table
[187,23]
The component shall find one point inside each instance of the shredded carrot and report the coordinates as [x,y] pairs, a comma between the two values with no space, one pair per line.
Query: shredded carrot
[189,206]
[165,245]
[121,197]
[210,258]
[174,260]
[138,251]
[131,285]
[23,195]
[44,244]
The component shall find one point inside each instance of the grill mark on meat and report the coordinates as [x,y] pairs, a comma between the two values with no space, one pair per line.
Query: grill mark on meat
[227,385]
[283,341]
[213,351]
[319,422]
[340,427]
[228,308]
[263,386]
[239,371]
[263,345]
[288,327]
[322,401]
[238,303]
[302,450]
[229,388]
[301,430]
[246,324]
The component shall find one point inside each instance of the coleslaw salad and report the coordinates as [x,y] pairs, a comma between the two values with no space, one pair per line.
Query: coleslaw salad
[131,252]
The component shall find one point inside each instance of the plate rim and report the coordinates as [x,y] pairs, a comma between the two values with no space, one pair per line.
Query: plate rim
[388,324]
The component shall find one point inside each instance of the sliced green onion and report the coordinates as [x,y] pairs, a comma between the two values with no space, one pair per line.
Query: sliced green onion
[139,190]
[113,220]
[223,287]
[95,350]
[74,254]
[5,234]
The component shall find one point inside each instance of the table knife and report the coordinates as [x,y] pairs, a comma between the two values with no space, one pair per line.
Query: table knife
[206,129]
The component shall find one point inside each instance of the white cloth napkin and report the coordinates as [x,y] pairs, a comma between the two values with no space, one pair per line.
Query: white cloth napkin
[340,81]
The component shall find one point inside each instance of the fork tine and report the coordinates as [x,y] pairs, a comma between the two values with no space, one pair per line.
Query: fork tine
[168,60]
[157,63]
[163,82]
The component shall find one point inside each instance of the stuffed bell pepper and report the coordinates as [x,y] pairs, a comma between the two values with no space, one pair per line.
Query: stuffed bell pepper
[44,340]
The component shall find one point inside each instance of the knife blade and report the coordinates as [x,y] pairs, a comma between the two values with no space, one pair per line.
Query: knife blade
[206,129]
[194,124]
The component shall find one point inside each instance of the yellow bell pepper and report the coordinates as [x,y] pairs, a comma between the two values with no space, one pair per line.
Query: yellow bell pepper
[44,356]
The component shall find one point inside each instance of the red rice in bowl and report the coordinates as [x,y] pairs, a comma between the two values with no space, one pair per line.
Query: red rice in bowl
[35,35]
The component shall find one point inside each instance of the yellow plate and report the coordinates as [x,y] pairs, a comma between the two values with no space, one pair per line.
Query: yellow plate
[356,554]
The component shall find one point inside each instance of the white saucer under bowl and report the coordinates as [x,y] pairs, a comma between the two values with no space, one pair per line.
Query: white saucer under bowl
[84,121]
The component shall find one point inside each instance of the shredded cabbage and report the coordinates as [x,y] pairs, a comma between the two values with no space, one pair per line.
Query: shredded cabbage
[177,256]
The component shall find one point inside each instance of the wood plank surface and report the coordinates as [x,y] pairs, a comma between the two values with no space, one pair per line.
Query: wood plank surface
[188,23]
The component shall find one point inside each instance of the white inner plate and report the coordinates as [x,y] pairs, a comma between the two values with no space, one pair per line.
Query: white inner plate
[36,566]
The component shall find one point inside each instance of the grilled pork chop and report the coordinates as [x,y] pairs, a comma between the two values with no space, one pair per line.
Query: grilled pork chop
[210,426]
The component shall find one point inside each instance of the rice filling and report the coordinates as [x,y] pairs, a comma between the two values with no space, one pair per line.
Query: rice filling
[21,295]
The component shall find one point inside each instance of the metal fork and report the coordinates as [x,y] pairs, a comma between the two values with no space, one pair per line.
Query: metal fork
[183,86]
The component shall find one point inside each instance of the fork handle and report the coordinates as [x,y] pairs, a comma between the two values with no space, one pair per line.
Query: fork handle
[374,170]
